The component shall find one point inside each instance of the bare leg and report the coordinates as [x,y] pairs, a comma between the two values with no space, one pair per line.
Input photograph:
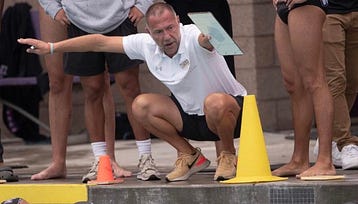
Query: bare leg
[129,88]
[309,92]
[309,58]
[60,106]
[93,87]
[109,109]
[302,109]
[128,84]
[219,148]
[222,112]
[164,123]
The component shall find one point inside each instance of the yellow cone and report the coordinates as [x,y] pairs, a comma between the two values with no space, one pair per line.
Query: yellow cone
[253,163]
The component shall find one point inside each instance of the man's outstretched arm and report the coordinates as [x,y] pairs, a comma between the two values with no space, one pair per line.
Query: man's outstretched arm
[93,42]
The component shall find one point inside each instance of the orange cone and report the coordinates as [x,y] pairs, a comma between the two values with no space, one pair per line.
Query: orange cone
[105,172]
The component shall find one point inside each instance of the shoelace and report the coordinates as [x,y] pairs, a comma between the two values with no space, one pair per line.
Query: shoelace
[182,160]
[94,167]
[148,163]
[225,158]
[142,161]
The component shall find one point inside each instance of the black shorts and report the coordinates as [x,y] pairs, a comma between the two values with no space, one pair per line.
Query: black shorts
[282,9]
[196,128]
[93,63]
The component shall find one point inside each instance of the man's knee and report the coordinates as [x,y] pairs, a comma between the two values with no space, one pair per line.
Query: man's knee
[140,106]
[215,104]
[291,85]
[128,83]
[94,92]
[60,85]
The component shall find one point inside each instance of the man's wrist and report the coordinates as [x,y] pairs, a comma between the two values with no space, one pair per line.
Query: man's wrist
[52,49]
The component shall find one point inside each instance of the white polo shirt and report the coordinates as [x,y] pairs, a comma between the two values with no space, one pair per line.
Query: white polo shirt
[192,74]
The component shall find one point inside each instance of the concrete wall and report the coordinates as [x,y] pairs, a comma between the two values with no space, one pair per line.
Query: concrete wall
[258,69]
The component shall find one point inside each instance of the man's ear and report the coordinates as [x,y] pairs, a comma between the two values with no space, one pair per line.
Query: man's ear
[178,19]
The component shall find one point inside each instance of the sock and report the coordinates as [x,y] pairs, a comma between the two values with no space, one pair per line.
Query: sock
[99,149]
[144,146]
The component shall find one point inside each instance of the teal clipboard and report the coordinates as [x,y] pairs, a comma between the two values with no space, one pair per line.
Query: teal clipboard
[222,42]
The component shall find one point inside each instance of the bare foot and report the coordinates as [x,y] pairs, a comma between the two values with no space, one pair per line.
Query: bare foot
[290,169]
[120,172]
[51,172]
[318,170]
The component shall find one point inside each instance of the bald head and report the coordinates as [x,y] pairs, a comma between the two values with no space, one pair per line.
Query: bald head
[163,26]
[157,10]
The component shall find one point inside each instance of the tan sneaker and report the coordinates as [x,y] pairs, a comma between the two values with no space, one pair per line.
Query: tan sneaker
[186,165]
[226,166]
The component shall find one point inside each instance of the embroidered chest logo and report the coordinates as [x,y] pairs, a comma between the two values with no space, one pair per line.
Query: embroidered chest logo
[184,63]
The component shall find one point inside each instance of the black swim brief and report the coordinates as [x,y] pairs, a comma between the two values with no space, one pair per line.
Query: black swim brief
[282,9]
